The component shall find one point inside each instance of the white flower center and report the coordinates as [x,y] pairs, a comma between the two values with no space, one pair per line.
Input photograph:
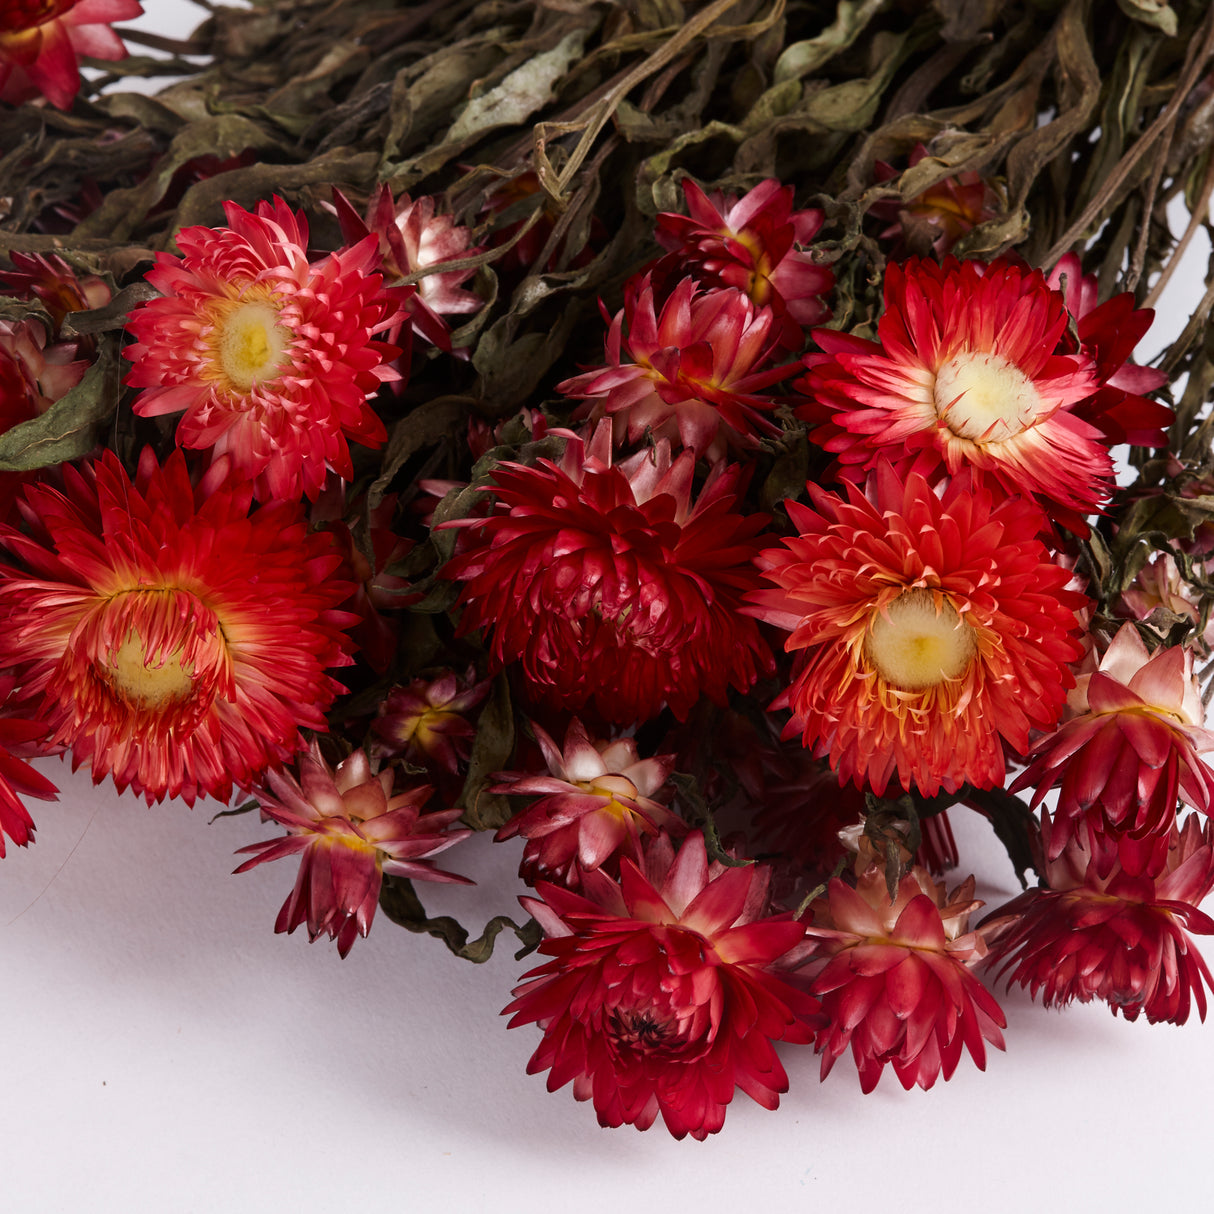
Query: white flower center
[149,686]
[251,344]
[916,644]
[985,398]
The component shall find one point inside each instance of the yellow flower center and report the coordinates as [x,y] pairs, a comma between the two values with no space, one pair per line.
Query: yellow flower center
[919,641]
[249,343]
[985,398]
[149,683]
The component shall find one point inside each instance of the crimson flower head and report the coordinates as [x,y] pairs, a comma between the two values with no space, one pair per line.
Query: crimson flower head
[167,636]
[755,244]
[271,356]
[660,995]
[41,42]
[693,374]
[18,778]
[966,372]
[348,829]
[593,806]
[1107,333]
[412,237]
[1115,937]
[48,278]
[427,722]
[610,586]
[1129,748]
[934,629]
[895,980]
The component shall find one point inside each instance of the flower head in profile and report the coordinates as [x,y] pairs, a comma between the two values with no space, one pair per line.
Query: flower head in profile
[1107,333]
[1130,746]
[935,630]
[610,586]
[166,636]
[50,280]
[1159,586]
[18,737]
[660,997]
[895,981]
[1115,937]
[348,829]
[593,807]
[693,373]
[41,42]
[272,357]
[413,237]
[965,373]
[755,244]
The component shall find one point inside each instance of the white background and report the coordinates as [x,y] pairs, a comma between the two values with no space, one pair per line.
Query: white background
[165,1051]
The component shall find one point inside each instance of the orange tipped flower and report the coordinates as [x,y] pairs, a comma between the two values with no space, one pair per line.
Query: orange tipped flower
[693,374]
[894,979]
[1129,749]
[607,584]
[348,830]
[41,41]
[1114,937]
[934,630]
[660,995]
[271,357]
[169,638]
[965,374]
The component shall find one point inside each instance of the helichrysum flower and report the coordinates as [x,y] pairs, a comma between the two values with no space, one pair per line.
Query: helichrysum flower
[609,585]
[271,356]
[895,980]
[965,372]
[1114,937]
[428,723]
[348,829]
[1127,750]
[660,997]
[1107,333]
[693,373]
[594,805]
[18,778]
[41,41]
[755,244]
[168,637]
[935,630]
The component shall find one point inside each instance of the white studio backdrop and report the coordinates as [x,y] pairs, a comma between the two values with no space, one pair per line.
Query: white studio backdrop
[166,1052]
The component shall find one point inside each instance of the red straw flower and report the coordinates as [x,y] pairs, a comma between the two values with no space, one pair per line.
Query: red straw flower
[1128,750]
[593,806]
[16,777]
[693,374]
[660,997]
[935,628]
[965,373]
[271,357]
[169,638]
[1118,938]
[41,41]
[609,586]
[348,830]
[895,982]
[751,244]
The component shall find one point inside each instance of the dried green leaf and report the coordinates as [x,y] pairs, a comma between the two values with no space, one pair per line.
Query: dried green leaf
[71,427]
[1158,14]
[491,750]
[799,59]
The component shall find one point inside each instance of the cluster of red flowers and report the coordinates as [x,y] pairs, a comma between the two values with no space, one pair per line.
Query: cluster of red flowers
[913,621]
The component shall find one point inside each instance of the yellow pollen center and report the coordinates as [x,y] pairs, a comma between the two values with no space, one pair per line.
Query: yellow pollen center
[251,344]
[914,645]
[149,686]
[985,398]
